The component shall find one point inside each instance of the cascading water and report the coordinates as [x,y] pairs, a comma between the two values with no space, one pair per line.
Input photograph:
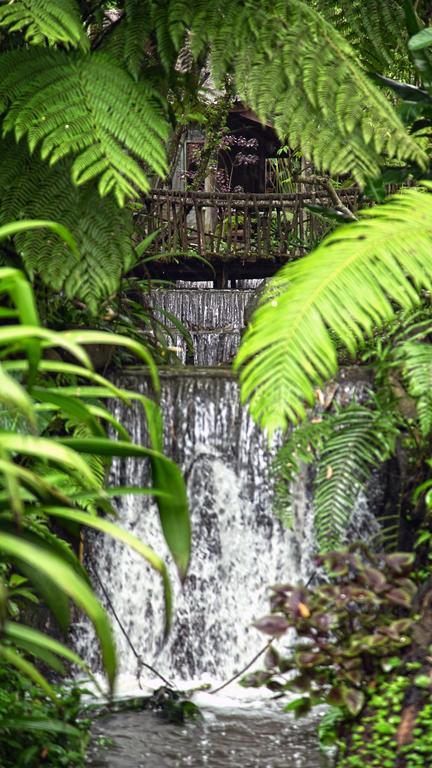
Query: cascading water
[239,547]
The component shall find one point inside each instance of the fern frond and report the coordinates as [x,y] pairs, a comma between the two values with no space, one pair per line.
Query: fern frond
[129,41]
[31,189]
[375,28]
[297,71]
[360,440]
[45,21]
[310,83]
[302,446]
[344,447]
[416,360]
[86,106]
[353,282]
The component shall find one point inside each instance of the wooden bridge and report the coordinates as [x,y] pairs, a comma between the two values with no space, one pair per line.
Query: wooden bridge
[229,236]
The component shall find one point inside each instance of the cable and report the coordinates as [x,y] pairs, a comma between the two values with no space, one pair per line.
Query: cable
[140,662]
[252,661]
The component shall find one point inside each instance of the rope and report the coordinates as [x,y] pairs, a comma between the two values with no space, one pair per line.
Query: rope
[252,661]
[141,664]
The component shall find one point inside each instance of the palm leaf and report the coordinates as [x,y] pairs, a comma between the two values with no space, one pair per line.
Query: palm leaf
[355,281]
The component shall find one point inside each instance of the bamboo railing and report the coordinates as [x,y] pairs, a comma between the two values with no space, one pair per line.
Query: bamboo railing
[232,226]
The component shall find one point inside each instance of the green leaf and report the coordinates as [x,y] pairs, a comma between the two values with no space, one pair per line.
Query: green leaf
[28,669]
[421,40]
[44,724]
[16,397]
[24,334]
[405,91]
[353,699]
[57,23]
[112,122]
[101,337]
[10,230]
[68,580]
[50,450]
[69,369]
[174,512]
[289,348]
[72,406]
[299,706]
[16,632]
[111,529]
[143,246]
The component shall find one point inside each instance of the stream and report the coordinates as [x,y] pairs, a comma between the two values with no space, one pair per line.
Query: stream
[252,736]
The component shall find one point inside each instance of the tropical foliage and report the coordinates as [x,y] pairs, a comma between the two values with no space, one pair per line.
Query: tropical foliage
[91,96]
[349,629]
[54,458]
[347,443]
[358,279]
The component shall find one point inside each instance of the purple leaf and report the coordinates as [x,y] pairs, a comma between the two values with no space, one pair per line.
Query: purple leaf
[273,625]
[400,597]
[374,579]
[400,562]
[353,699]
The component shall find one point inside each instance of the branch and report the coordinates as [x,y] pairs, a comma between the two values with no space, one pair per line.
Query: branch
[325,182]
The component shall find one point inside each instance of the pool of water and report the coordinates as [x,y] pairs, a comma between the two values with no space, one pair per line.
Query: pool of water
[246,737]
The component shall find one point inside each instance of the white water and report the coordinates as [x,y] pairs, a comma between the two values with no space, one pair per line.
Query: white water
[239,547]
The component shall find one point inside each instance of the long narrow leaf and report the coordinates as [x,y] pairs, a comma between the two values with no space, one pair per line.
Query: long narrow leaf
[101,337]
[13,334]
[25,666]
[15,631]
[50,450]
[111,529]
[174,513]
[68,580]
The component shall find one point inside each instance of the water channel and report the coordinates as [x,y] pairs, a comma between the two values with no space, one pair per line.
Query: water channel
[257,736]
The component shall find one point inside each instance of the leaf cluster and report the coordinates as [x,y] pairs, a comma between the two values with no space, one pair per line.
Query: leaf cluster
[349,629]
[45,472]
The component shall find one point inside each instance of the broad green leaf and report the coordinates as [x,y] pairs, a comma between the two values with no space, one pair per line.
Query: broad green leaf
[36,484]
[15,396]
[28,669]
[15,631]
[21,293]
[22,334]
[68,580]
[421,40]
[13,490]
[101,337]
[146,243]
[50,450]
[68,369]
[174,513]
[72,406]
[111,529]
[32,724]
[151,408]
[41,654]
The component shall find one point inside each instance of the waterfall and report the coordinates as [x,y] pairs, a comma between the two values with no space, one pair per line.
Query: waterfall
[239,547]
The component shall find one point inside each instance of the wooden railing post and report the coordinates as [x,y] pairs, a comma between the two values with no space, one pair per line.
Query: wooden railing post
[235,226]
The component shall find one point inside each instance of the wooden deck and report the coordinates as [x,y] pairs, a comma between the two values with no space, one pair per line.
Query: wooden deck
[238,234]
